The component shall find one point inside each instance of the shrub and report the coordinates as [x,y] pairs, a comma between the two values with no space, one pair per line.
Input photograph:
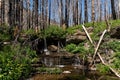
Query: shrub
[103,69]
[114,45]
[16,62]
[4,33]
[115,57]
[54,32]
[50,70]
[70,47]
[72,29]
[73,48]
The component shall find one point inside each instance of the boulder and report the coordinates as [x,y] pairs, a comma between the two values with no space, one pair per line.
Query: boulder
[52,48]
[90,29]
[76,39]
[78,32]
[66,72]
[115,32]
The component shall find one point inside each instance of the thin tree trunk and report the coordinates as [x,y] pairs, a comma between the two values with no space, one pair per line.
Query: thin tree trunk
[49,12]
[61,14]
[21,13]
[67,3]
[12,12]
[93,11]
[119,8]
[42,23]
[46,13]
[113,10]
[36,13]
[86,11]
[2,11]
[76,12]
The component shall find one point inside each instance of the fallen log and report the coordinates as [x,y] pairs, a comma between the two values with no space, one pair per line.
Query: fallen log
[103,62]
[96,49]
[87,34]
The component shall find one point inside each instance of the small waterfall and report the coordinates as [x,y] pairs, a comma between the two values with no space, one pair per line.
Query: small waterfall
[48,61]
[45,47]
[76,60]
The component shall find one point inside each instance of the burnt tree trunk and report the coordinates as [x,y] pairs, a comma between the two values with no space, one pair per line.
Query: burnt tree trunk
[113,10]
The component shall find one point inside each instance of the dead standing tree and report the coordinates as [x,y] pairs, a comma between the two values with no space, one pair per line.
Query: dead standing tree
[93,11]
[75,12]
[67,6]
[113,9]
[86,10]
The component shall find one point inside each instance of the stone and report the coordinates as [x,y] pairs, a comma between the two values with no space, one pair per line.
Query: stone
[115,32]
[66,72]
[79,33]
[76,39]
[90,29]
[53,48]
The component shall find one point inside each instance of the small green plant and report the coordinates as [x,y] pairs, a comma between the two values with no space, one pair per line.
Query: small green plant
[15,62]
[116,61]
[114,45]
[54,32]
[70,47]
[4,33]
[73,29]
[115,56]
[103,69]
[29,31]
[50,70]
[73,48]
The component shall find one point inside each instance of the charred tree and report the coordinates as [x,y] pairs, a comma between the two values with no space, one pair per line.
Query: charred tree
[67,4]
[93,10]
[49,12]
[113,10]
[36,13]
[61,13]
[86,11]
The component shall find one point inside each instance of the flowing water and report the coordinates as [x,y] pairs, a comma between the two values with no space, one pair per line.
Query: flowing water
[45,47]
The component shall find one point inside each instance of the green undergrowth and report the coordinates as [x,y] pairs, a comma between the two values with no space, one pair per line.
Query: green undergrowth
[5,33]
[49,70]
[98,27]
[79,49]
[114,45]
[54,32]
[15,62]
[114,56]
[103,69]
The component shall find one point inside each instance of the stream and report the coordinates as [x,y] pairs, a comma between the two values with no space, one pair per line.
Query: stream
[71,67]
